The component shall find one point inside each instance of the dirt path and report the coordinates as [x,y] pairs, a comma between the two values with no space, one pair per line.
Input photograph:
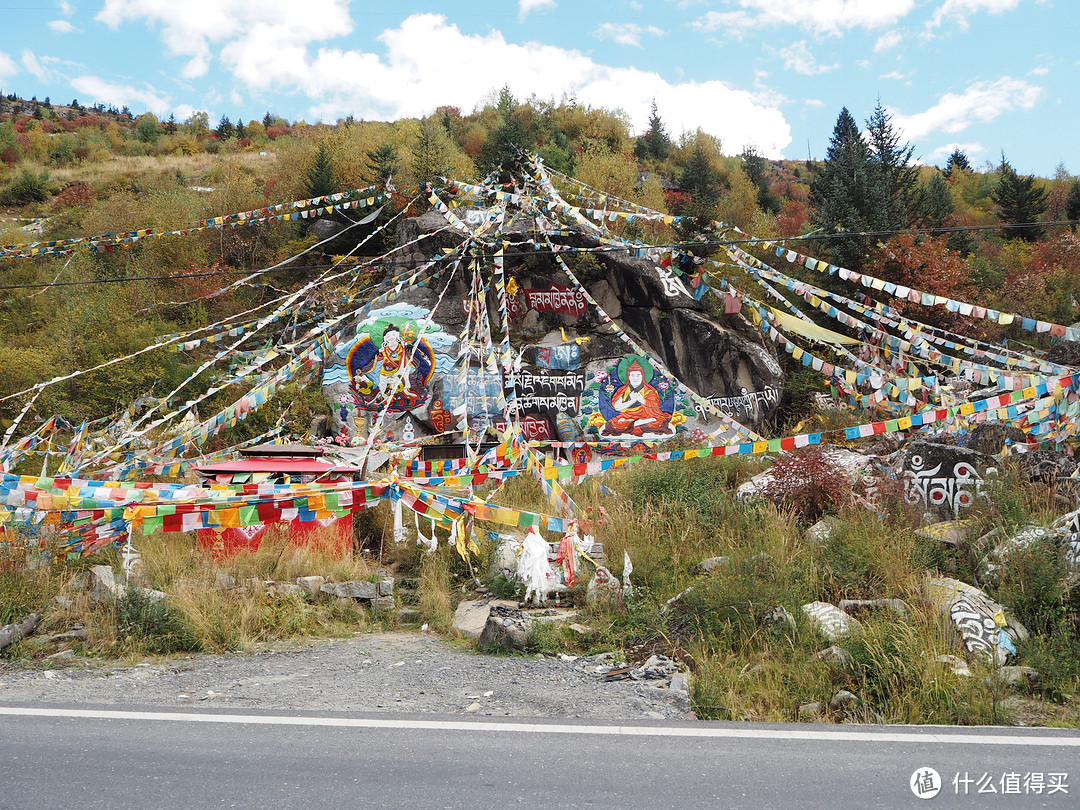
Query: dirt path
[387,672]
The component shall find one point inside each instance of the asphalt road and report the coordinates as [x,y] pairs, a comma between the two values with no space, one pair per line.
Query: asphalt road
[56,757]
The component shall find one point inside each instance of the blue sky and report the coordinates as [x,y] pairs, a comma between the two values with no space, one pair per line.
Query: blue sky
[987,75]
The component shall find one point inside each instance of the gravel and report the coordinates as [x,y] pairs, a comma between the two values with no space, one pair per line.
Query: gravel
[398,672]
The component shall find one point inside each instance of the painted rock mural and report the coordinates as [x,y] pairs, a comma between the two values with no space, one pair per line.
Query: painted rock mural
[420,365]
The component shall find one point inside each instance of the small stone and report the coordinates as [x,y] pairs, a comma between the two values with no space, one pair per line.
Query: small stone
[830,621]
[61,654]
[833,656]
[580,629]
[957,665]
[808,711]
[680,682]
[779,620]
[505,630]
[408,615]
[473,707]
[104,588]
[1015,675]
[824,530]
[224,582]
[654,715]
[711,564]
[63,603]
[79,634]
[384,603]
[386,587]
[311,586]
[843,702]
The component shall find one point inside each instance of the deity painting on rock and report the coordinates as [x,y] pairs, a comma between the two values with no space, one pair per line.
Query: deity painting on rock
[634,401]
[390,364]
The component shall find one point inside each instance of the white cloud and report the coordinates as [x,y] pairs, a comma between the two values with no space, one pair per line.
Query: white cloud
[276,28]
[627,33]
[979,103]
[1039,71]
[34,67]
[66,8]
[121,95]
[8,68]
[814,103]
[888,41]
[962,10]
[893,74]
[941,153]
[821,16]
[797,57]
[61,26]
[527,7]
[410,78]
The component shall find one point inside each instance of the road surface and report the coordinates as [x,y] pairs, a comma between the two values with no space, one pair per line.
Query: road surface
[53,757]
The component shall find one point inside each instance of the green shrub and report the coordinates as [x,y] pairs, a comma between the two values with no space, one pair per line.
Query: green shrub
[151,625]
[28,187]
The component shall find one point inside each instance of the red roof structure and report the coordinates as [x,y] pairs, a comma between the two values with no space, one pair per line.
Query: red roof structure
[273,462]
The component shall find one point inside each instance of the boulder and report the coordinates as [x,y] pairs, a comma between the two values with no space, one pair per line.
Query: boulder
[986,629]
[830,621]
[351,590]
[843,702]
[855,465]
[711,564]
[603,587]
[103,586]
[808,711]
[386,587]
[989,438]
[833,656]
[1015,675]
[1064,353]
[1047,466]
[505,629]
[956,665]
[950,532]
[10,633]
[823,530]
[471,616]
[311,586]
[943,480]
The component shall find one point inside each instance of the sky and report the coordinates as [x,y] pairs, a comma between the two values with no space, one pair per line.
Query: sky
[987,76]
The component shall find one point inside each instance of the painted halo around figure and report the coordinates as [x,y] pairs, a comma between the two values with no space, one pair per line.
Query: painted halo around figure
[390,362]
[632,400]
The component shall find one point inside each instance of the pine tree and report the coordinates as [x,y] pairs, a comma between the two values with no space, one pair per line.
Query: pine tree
[319,179]
[225,129]
[1020,201]
[846,192]
[934,203]
[241,130]
[655,144]
[505,138]
[1072,204]
[170,125]
[957,161]
[383,162]
[896,171]
[268,120]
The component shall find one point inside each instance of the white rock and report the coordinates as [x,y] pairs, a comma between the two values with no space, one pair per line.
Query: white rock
[832,622]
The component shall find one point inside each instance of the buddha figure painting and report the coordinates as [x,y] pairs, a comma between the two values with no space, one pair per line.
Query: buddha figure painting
[636,401]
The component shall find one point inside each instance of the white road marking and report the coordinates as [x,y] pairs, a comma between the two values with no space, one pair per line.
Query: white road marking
[942,735]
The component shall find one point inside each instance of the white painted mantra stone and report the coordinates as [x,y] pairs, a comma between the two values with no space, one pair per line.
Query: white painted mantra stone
[832,622]
[988,632]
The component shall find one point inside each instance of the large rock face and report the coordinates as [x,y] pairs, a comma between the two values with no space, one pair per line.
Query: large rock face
[575,378]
